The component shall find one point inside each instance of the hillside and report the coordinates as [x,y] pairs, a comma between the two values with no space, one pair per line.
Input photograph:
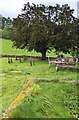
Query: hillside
[8,49]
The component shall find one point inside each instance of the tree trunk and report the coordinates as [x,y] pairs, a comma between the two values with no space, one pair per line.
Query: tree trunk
[43,57]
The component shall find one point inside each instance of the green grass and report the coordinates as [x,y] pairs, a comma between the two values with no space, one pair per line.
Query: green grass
[55,100]
[13,81]
[57,94]
[8,49]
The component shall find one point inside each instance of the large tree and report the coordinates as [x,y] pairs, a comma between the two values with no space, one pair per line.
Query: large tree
[34,28]
[65,30]
[41,27]
[75,47]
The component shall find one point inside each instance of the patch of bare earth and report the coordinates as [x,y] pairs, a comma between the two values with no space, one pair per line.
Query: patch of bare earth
[18,99]
[1,75]
[15,71]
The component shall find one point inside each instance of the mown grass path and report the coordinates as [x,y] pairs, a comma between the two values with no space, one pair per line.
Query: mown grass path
[18,99]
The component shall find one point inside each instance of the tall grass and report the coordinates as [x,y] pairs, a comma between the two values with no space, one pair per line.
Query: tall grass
[55,100]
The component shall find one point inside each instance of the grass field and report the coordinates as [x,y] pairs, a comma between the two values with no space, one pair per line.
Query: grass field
[7,49]
[57,96]
[14,76]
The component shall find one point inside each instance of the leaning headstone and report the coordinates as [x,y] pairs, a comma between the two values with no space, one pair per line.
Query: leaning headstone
[11,60]
[31,61]
[16,58]
[20,59]
[8,60]
[24,58]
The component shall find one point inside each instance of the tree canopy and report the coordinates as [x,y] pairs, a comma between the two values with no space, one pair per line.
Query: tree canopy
[6,22]
[41,27]
[7,32]
[6,27]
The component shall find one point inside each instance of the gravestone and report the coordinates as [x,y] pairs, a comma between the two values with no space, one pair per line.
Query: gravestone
[9,60]
[31,61]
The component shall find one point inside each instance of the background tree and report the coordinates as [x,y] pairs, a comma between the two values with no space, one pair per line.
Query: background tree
[6,22]
[7,32]
[6,28]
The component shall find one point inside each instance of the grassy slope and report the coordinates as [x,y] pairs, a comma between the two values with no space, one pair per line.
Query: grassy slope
[7,49]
